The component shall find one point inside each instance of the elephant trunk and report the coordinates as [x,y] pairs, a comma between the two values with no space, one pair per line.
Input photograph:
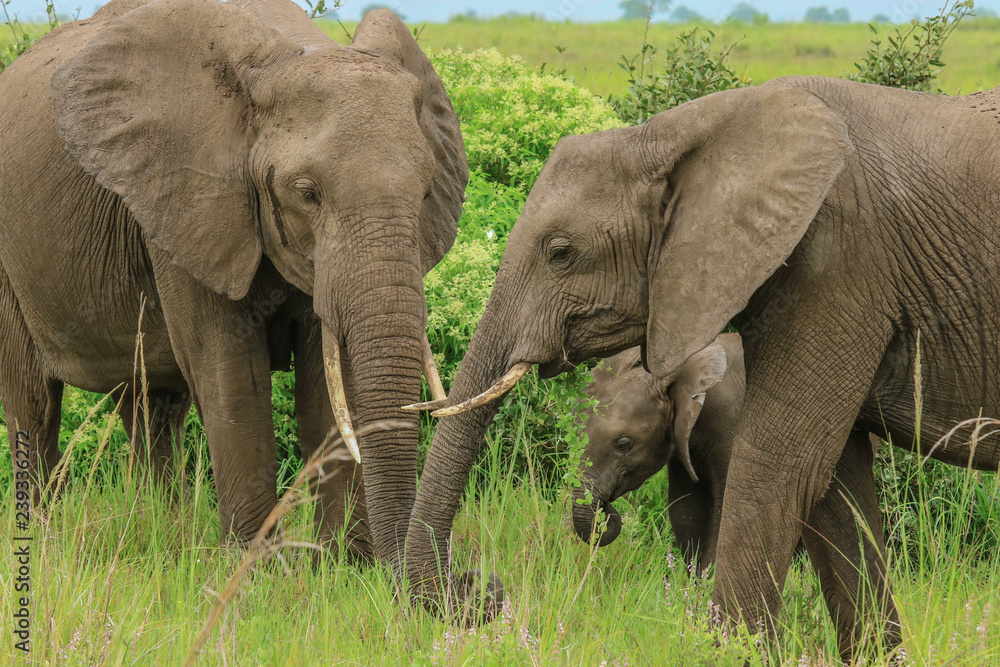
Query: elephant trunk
[456,445]
[376,313]
[585,517]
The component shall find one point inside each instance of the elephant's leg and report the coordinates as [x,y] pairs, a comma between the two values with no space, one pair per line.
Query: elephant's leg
[32,410]
[221,348]
[341,492]
[692,516]
[32,402]
[803,397]
[851,565]
[155,448]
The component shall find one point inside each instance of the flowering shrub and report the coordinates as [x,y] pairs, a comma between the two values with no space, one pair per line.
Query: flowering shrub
[459,286]
[512,115]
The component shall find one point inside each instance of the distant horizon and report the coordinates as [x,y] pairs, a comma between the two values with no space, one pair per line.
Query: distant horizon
[579,11]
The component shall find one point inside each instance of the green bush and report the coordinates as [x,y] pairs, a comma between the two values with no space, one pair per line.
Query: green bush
[690,68]
[459,286]
[912,58]
[512,115]
[21,41]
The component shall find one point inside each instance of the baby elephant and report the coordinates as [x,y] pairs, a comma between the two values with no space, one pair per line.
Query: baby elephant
[686,422]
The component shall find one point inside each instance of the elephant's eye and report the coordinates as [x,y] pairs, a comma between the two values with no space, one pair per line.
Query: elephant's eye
[307,188]
[560,251]
[624,444]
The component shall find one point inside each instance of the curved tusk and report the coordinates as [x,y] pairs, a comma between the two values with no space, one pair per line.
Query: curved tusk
[431,373]
[335,386]
[505,384]
[428,405]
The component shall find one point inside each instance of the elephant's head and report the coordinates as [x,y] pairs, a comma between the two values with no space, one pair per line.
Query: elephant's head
[640,423]
[655,235]
[239,132]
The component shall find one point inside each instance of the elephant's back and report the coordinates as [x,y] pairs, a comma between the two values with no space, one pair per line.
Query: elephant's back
[29,142]
[25,94]
[71,250]
[24,85]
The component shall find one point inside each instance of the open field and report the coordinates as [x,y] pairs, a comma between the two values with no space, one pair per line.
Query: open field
[593,50]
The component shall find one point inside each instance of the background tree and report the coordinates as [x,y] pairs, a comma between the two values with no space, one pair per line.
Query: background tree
[824,15]
[467,15]
[684,14]
[638,9]
[818,15]
[744,12]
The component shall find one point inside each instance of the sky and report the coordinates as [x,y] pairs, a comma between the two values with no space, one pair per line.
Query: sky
[574,10]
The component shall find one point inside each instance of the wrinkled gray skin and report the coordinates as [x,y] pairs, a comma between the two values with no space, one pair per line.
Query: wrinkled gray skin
[833,222]
[269,193]
[642,423]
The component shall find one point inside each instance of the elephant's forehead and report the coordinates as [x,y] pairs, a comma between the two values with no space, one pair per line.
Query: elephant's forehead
[356,79]
[581,169]
[624,400]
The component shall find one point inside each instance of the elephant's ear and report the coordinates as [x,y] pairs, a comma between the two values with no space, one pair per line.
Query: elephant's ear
[743,174]
[617,365]
[382,33]
[700,373]
[156,107]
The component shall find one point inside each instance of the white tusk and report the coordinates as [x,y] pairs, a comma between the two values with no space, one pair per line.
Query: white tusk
[335,386]
[431,373]
[427,405]
[505,384]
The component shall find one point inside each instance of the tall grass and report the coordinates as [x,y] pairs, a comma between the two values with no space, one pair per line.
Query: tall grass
[124,573]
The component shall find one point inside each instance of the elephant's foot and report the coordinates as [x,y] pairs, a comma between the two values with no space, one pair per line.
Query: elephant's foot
[355,546]
[242,534]
[874,637]
[477,600]
[469,600]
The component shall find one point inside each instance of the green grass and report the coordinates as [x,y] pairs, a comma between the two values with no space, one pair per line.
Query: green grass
[593,50]
[122,576]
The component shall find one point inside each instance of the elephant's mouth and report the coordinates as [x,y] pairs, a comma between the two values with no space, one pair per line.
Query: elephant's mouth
[573,356]
[554,368]
[583,522]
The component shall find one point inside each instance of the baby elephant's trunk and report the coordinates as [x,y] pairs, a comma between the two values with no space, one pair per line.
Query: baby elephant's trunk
[585,517]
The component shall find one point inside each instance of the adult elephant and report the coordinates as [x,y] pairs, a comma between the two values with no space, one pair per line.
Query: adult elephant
[268,193]
[842,227]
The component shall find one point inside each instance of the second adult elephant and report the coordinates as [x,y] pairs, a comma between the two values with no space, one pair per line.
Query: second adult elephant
[267,191]
[850,234]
